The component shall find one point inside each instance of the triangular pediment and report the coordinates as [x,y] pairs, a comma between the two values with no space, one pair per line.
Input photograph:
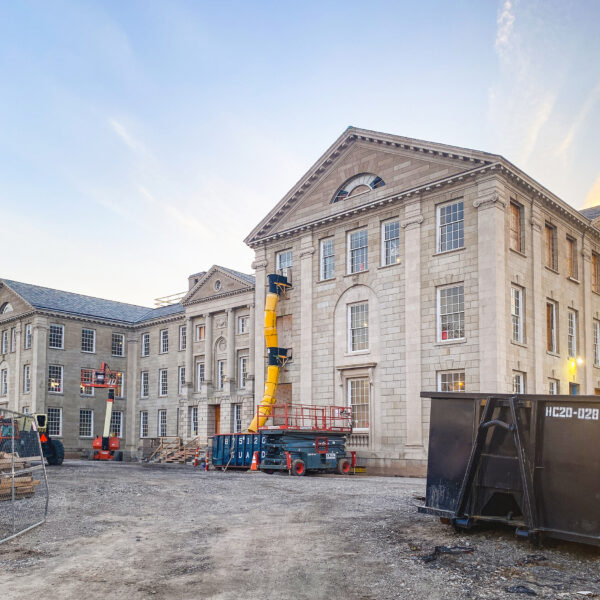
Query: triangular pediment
[12,303]
[402,163]
[216,282]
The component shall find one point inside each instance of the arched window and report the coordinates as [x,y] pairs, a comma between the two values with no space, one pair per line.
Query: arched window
[365,182]
[6,308]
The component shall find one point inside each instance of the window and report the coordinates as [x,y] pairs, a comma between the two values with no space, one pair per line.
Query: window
[119,390]
[27,336]
[358,327]
[162,423]
[243,372]
[390,247]
[55,379]
[163,387]
[116,423]
[573,389]
[86,377]
[88,340]
[358,251]
[236,418]
[243,323]
[597,343]
[5,342]
[595,274]
[572,258]
[572,334]
[146,344]
[13,340]
[26,410]
[363,182]
[551,337]
[193,420]
[450,229]
[143,423]
[86,422]
[553,386]
[199,375]
[358,400]
[5,308]
[516,227]
[551,256]
[451,313]
[220,374]
[518,382]
[516,313]
[4,382]
[200,332]
[327,259]
[164,340]
[26,379]
[181,378]
[144,384]
[182,337]
[54,421]
[283,260]
[451,381]
[56,337]
[118,344]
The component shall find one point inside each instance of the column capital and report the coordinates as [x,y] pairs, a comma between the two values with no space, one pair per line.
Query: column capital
[412,222]
[307,252]
[536,224]
[259,264]
[489,201]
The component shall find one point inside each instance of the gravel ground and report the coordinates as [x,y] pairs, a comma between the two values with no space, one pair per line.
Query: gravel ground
[132,531]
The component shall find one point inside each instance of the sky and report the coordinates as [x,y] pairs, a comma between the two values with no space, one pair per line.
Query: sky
[141,142]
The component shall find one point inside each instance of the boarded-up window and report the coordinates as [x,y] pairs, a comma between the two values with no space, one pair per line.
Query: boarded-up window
[550,249]
[516,231]
[572,257]
[551,327]
[284,331]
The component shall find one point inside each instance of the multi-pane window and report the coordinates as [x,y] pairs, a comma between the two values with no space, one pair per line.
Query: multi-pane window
[86,422]
[13,340]
[572,270]
[518,382]
[182,337]
[200,332]
[26,379]
[163,387]
[516,313]
[358,400]
[327,258]
[516,227]
[451,313]
[243,372]
[181,378]
[143,423]
[243,323]
[220,374]
[451,381]
[450,227]
[199,376]
[118,344]
[551,252]
[553,386]
[358,327]
[55,379]
[164,340]
[283,261]
[88,340]
[4,382]
[145,344]
[54,421]
[119,390]
[390,243]
[86,377]
[116,423]
[162,422]
[27,340]
[56,337]
[236,418]
[595,273]
[551,322]
[597,343]
[5,342]
[193,420]
[572,334]
[144,384]
[358,251]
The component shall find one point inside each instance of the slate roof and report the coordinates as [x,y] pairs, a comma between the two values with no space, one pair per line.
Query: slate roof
[591,213]
[88,306]
[247,278]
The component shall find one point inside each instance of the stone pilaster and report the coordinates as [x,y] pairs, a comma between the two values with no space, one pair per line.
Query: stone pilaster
[209,353]
[252,351]
[189,358]
[534,335]
[412,321]
[306,318]
[18,377]
[588,319]
[133,382]
[39,366]
[231,366]
[260,272]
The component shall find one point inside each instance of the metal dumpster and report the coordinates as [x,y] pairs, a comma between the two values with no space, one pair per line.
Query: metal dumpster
[530,461]
[235,450]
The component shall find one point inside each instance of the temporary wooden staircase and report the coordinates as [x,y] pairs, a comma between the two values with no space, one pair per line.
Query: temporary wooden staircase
[174,450]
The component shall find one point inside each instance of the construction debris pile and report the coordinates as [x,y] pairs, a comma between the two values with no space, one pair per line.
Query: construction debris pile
[24,483]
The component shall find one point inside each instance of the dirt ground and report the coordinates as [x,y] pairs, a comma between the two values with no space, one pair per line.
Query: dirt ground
[133,531]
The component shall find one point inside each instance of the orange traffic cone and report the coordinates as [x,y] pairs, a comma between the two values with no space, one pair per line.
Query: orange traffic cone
[254,465]
[196,456]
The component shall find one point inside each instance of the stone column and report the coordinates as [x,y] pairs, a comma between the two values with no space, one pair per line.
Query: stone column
[189,358]
[132,386]
[412,321]
[231,366]
[534,334]
[306,320]
[252,350]
[18,377]
[208,354]
[39,364]
[491,261]
[587,326]
[259,265]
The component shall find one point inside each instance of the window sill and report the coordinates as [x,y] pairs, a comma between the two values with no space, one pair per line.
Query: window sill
[445,252]
[118,355]
[56,393]
[551,269]
[357,273]
[357,353]
[569,278]
[553,354]
[396,264]
[520,344]
[450,342]
[518,252]
[597,292]
[328,280]
[88,352]
[52,348]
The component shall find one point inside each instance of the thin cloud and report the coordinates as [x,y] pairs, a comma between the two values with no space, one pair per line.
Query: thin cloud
[593,196]
[126,137]
[538,120]
[505,24]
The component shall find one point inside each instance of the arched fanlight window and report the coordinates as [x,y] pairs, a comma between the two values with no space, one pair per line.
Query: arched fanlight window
[358,184]
[6,308]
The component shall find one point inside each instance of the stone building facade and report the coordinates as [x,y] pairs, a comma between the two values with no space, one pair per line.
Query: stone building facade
[420,266]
